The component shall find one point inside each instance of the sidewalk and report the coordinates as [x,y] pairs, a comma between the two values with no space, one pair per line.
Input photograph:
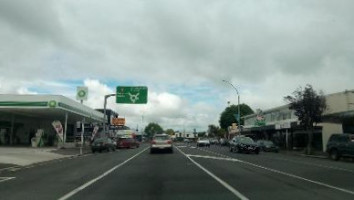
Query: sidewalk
[22,156]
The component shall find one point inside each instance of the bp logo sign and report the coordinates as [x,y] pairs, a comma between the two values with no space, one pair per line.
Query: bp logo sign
[81,93]
[52,104]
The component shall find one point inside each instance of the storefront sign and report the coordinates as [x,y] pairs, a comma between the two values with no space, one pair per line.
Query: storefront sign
[94,132]
[118,121]
[59,129]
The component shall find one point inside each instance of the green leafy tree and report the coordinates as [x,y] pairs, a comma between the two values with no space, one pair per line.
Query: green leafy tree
[201,134]
[309,106]
[153,128]
[221,132]
[170,131]
[212,130]
[228,116]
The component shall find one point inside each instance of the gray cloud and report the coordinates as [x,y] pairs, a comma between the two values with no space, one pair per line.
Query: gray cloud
[266,48]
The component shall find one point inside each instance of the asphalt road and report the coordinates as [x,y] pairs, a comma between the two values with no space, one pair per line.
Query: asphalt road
[188,173]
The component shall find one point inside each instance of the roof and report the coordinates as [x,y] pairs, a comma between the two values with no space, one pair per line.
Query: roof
[47,106]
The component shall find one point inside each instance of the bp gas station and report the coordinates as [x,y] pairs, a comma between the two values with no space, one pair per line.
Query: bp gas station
[52,119]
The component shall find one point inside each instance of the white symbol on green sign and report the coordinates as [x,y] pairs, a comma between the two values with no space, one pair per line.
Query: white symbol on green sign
[133,97]
[81,93]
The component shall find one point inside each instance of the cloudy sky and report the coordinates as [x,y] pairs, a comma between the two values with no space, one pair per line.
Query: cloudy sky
[181,50]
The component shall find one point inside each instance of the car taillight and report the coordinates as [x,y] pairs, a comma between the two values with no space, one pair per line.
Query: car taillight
[169,142]
[153,142]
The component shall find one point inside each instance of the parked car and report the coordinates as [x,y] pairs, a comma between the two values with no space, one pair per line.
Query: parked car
[127,143]
[243,144]
[340,145]
[103,144]
[268,146]
[161,142]
[203,142]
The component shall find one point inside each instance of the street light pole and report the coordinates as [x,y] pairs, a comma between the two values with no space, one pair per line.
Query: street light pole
[238,105]
[105,110]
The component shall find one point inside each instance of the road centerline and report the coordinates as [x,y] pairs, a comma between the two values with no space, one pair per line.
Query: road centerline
[82,187]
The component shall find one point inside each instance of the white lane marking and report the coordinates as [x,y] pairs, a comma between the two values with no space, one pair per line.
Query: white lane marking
[286,174]
[223,183]
[309,164]
[3,179]
[8,168]
[213,157]
[70,194]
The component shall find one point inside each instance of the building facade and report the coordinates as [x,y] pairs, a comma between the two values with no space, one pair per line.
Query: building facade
[281,125]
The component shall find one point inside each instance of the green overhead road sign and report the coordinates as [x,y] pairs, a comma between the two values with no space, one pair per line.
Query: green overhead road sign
[132,95]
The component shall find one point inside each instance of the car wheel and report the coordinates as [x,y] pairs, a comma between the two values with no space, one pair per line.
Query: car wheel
[257,151]
[231,149]
[93,151]
[171,150]
[151,151]
[334,155]
[237,149]
[100,151]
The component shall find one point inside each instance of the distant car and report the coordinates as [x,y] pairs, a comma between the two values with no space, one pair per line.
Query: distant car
[243,144]
[161,142]
[203,142]
[340,145]
[268,146]
[103,144]
[127,143]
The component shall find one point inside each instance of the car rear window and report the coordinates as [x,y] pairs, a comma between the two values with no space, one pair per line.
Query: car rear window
[161,138]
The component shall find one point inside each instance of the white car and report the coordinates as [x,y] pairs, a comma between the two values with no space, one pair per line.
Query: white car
[203,142]
[161,142]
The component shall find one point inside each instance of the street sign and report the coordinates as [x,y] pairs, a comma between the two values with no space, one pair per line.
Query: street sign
[132,95]
[82,93]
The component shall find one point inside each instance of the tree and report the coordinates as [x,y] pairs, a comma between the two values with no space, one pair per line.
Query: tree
[221,133]
[309,106]
[229,115]
[170,131]
[201,134]
[212,130]
[153,128]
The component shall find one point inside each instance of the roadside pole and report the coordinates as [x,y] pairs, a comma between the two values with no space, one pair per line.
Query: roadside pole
[105,110]
[82,135]
[65,127]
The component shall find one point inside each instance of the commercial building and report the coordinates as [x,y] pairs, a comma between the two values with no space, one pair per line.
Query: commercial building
[21,116]
[281,125]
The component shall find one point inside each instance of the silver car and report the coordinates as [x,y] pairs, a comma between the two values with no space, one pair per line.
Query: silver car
[161,142]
